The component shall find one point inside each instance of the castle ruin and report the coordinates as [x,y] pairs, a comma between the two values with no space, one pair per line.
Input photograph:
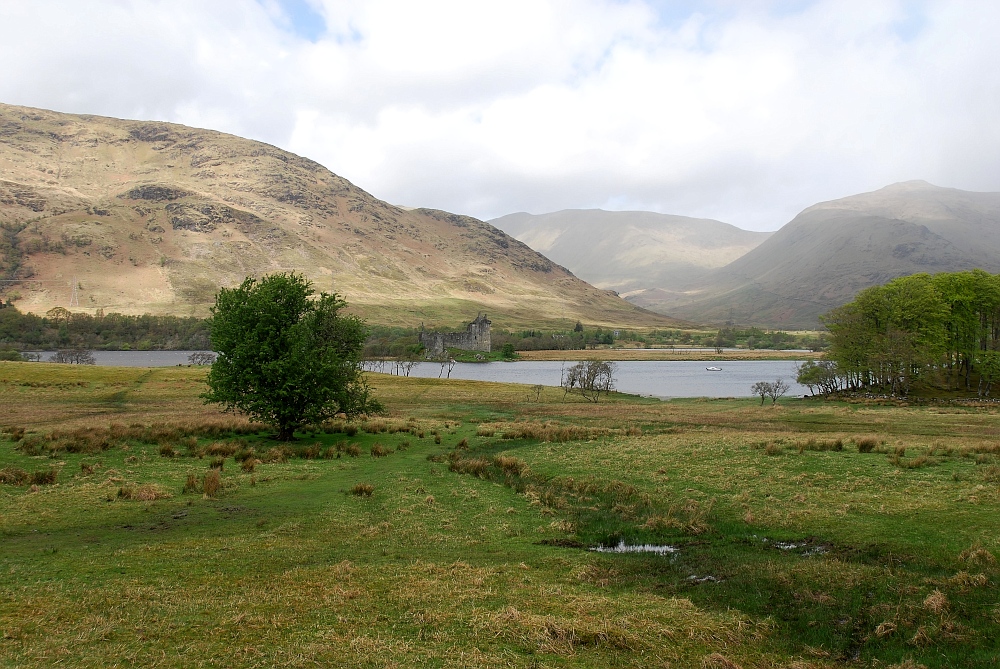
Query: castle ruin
[475,338]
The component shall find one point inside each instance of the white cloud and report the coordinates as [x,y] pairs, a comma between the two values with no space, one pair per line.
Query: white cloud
[745,112]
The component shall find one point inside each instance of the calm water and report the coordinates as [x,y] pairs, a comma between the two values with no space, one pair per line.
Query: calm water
[655,378]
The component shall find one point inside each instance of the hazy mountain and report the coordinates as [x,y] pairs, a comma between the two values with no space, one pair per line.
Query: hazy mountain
[833,249]
[631,250]
[155,217]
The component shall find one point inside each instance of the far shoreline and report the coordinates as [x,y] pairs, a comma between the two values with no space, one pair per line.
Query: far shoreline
[628,355]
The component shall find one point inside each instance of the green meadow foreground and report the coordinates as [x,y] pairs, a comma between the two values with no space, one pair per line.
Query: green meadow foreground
[139,527]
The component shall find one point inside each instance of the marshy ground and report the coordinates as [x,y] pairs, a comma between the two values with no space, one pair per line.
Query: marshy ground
[139,527]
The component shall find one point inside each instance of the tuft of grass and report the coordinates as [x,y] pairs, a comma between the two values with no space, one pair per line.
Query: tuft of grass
[212,483]
[249,465]
[311,452]
[866,444]
[363,490]
[167,451]
[351,430]
[222,448]
[192,483]
[352,450]
[380,451]
[774,448]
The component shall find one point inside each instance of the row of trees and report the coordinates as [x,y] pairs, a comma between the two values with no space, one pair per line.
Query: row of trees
[940,331]
[63,329]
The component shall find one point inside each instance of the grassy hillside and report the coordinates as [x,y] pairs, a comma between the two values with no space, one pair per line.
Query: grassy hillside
[135,217]
[794,547]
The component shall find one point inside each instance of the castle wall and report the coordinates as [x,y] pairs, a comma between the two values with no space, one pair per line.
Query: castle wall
[475,338]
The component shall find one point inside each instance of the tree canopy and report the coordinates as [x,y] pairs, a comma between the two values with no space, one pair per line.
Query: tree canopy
[941,330]
[286,357]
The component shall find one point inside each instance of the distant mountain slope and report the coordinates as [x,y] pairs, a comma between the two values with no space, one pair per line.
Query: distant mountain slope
[155,217]
[631,250]
[833,249]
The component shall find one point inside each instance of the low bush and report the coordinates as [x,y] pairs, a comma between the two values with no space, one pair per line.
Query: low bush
[217,463]
[44,477]
[249,465]
[351,430]
[352,450]
[167,451]
[14,476]
[310,452]
[380,451]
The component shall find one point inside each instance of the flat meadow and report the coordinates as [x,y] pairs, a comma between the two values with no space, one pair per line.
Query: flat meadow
[140,527]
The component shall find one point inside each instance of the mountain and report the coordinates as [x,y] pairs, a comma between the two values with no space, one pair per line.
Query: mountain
[631,250]
[136,217]
[833,249]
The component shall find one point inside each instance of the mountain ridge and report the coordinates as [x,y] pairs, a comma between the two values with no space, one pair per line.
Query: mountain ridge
[150,216]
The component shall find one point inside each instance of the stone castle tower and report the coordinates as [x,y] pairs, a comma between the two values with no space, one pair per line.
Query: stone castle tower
[475,338]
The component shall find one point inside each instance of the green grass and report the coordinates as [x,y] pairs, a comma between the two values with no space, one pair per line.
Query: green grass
[473,554]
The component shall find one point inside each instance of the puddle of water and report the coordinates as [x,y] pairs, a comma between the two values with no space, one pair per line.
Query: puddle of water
[622,547]
[815,549]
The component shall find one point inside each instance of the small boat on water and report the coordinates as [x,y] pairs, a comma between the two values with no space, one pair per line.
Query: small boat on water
[714,369]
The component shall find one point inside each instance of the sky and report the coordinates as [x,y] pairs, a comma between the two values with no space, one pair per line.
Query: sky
[746,111]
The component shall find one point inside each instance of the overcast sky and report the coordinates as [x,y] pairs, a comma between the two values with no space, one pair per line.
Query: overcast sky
[745,111]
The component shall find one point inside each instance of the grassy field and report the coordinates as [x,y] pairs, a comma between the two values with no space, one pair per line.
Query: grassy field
[139,527]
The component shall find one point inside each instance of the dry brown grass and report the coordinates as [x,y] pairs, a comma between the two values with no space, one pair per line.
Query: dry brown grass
[212,483]
[146,492]
[363,490]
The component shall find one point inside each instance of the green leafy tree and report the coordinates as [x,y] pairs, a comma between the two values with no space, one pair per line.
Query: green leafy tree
[285,357]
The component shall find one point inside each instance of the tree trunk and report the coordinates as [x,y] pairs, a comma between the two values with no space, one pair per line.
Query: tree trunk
[286,433]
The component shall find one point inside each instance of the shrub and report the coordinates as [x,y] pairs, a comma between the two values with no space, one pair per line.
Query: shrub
[14,476]
[217,462]
[352,450]
[351,430]
[212,483]
[363,490]
[167,451]
[249,465]
[44,477]
[333,427]
[379,451]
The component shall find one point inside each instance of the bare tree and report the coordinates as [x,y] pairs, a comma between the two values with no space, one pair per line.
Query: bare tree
[766,389]
[590,378]
[74,356]
[201,358]
[778,389]
[762,389]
